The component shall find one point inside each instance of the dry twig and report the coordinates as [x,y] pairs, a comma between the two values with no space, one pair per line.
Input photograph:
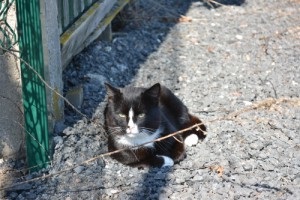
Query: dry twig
[43,81]
[267,103]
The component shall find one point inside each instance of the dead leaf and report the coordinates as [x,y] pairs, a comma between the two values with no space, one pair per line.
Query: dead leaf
[183,18]
[210,49]
[218,169]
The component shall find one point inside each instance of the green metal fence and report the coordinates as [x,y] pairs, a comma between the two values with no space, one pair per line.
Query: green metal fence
[70,10]
[34,93]
[32,63]
[8,36]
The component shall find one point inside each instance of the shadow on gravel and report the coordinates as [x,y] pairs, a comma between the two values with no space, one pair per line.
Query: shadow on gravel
[140,30]
[152,184]
[147,25]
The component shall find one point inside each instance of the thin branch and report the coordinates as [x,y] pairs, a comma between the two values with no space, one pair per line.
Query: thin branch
[212,1]
[264,103]
[15,104]
[44,82]
[41,146]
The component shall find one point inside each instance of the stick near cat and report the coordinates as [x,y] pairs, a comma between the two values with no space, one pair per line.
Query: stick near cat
[136,116]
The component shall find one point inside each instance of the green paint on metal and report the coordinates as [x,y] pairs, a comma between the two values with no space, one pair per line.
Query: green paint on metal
[34,93]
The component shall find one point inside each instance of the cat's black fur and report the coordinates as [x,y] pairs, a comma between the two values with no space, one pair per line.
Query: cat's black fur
[157,112]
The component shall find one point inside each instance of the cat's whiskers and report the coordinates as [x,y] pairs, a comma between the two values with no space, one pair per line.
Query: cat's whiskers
[166,142]
[149,129]
[146,132]
[115,129]
[162,147]
[132,151]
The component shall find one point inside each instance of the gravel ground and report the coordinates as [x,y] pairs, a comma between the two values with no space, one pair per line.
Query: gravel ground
[236,67]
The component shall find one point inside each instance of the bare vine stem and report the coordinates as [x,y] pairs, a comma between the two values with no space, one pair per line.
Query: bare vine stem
[267,103]
[44,82]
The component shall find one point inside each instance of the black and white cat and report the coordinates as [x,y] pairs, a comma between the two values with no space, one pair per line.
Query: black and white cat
[135,116]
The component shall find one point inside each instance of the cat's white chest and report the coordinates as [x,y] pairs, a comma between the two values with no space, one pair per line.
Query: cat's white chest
[140,138]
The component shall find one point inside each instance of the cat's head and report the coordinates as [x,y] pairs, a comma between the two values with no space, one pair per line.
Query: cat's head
[133,112]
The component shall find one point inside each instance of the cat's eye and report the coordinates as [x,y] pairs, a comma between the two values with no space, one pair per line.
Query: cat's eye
[122,115]
[141,115]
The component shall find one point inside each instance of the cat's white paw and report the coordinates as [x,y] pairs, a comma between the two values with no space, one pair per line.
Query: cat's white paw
[168,162]
[191,140]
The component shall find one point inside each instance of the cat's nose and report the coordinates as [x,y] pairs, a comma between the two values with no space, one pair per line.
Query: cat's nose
[132,129]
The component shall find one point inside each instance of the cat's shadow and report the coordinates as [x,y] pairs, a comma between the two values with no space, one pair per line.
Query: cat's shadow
[153,183]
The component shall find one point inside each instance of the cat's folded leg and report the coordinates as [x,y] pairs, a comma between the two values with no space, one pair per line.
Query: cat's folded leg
[168,162]
[178,150]
[191,140]
[191,137]
[159,161]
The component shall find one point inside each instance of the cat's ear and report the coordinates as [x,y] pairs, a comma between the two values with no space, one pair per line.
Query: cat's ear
[112,91]
[153,91]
